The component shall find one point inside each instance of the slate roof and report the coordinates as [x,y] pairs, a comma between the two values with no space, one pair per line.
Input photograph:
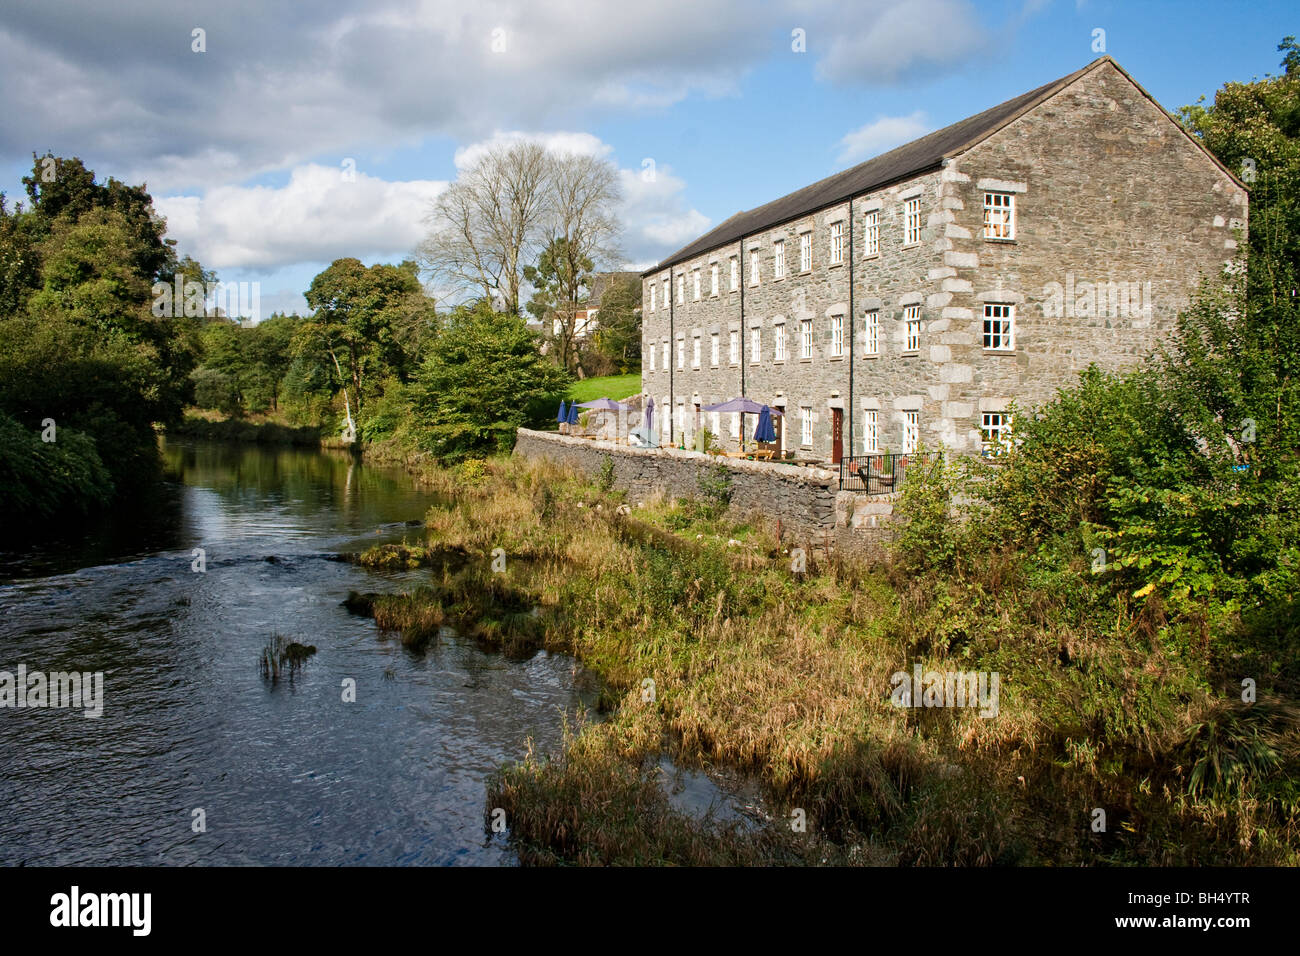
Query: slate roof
[906,161]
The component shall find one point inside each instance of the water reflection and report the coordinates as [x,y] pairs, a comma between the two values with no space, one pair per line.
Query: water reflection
[285,772]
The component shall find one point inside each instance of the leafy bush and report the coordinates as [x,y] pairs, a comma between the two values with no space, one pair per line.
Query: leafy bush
[41,480]
[605,478]
[714,486]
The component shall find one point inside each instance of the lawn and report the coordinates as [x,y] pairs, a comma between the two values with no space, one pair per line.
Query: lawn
[607,386]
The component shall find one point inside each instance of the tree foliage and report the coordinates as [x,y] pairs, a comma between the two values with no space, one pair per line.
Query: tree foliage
[484,380]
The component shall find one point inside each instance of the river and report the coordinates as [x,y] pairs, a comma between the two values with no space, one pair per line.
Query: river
[285,772]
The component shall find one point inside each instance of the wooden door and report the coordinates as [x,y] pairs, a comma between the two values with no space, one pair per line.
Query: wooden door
[837,435]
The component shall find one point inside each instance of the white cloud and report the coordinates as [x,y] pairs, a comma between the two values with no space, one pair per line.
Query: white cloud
[880,136]
[888,42]
[657,219]
[319,215]
[119,85]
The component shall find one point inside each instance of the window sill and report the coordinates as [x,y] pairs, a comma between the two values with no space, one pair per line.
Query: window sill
[911,353]
[836,265]
[1000,242]
[804,361]
[835,358]
[999,351]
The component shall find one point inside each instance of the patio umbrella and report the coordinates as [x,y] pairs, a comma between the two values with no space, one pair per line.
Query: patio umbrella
[650,420]
[573,414]
[604,405]
[564,413]
[765,431]
[742,405]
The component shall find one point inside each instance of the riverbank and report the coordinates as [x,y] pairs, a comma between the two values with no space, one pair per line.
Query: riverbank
[210,427]
[716,651]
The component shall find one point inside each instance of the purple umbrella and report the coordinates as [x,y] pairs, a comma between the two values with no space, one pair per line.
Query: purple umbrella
[742,405]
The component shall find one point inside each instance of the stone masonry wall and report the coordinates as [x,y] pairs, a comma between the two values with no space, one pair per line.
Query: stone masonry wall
[806,500]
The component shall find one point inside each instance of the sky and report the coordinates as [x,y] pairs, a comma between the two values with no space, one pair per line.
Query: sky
[301,134]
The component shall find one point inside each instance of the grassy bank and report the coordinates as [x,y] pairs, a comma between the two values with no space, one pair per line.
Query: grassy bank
[616,387]
[212,427]
[714,651]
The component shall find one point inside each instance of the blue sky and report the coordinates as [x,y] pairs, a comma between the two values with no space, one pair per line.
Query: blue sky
[242,143]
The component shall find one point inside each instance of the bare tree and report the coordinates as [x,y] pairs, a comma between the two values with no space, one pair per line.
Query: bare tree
[489,223]
[582,232]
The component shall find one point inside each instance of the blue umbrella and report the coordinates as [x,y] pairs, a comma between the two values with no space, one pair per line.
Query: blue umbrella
[765,431]
[573,414]
[564,413]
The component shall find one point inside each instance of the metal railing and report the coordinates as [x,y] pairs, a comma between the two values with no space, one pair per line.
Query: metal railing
[878,474]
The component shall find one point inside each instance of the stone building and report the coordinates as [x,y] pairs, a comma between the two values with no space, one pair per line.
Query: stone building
[910,300]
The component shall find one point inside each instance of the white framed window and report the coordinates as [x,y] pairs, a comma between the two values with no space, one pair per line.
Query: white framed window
[999,215]
[870,431]
[713,279]
[911,431]
[695,277]
[681,354]
[753,267]
[713,425]
[837,243]
[912,221]
[665,355]
[999,327]
[663,419]
[912,324]
[652,296]
[871,234]
[995,429]
[805,338]
[735,424]
[871,333]
[805,252]
[735,347]
[666,300]
[837,335]
[695,352]
[805,425]
[714,350]
[778,259]
[778,349]
[735,273]
[651,356]
[755,345]
[681,289]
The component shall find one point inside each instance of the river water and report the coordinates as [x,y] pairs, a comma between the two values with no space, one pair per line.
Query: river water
[286,772]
